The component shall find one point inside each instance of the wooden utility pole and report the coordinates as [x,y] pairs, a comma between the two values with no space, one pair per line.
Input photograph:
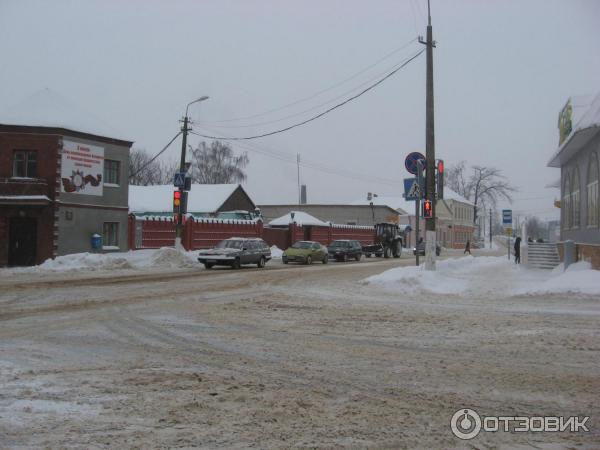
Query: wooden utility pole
[430,234]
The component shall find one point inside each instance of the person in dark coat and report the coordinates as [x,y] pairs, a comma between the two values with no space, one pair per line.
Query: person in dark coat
[468,247]
[518,250]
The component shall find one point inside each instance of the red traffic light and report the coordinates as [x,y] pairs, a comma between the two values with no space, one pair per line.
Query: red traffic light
[440,166]
[427,211]
[177,198]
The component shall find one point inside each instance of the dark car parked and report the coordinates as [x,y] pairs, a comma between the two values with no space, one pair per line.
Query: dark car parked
[421,248]
[236,252]
[343,250]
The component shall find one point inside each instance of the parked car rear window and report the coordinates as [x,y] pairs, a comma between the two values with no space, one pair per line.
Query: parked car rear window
[302,244]
[230,244]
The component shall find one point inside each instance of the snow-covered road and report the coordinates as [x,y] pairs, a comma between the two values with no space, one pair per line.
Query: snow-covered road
[295,357]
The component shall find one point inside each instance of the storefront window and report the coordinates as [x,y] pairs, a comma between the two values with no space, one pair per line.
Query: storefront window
[592,192]
[575,205]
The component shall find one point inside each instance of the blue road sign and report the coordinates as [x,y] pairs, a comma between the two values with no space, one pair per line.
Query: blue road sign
[411,162]
[179,179]
[412,189]
[506,216]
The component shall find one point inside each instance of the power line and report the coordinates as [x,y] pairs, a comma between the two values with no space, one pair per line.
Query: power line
[288,158]
[343,94]
[245,138]
[264,113]
[131,175]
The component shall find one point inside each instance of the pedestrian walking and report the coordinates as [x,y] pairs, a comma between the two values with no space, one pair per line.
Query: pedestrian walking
[468,247]
[518,250]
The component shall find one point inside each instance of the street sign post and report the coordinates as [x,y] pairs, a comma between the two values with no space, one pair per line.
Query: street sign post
[411,162]
[179,180]
[507,222]
[412,189]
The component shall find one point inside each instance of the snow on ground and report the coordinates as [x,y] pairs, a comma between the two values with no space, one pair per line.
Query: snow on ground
[162,258]
[276,252]
[489,275]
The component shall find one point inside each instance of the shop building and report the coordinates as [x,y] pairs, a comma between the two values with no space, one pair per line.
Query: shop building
[63,178]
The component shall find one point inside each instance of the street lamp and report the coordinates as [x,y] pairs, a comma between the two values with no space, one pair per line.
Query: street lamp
[182,169]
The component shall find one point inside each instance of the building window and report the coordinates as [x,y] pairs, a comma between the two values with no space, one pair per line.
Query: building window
[592,192]
[111,171]
[25,164]
[110,234]
[565,207]
[575,204]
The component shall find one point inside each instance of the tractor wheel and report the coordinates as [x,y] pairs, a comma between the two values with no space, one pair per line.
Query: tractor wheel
[397,249]
[387,252]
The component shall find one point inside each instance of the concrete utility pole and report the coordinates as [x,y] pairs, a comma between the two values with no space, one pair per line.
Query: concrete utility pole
[182,169]
[430,235]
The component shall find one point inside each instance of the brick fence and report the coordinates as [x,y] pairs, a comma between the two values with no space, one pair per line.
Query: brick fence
[206,233]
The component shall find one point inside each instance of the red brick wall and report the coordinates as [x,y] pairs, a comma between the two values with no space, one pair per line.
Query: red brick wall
[47,149]
[46,146]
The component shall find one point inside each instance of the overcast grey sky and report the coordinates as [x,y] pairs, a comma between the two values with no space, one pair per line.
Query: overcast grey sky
[503,69]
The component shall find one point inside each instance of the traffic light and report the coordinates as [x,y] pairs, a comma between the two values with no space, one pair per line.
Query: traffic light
[176,201]
[427,209]
[440,178]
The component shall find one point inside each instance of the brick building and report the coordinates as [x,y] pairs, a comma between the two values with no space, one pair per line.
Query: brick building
[63,177]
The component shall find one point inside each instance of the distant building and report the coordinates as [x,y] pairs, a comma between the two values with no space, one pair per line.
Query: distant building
[63,178]
[343,214]
[204,200]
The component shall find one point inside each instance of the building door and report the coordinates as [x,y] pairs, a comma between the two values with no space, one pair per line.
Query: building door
[22,250]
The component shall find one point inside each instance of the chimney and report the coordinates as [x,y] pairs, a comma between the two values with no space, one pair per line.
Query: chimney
[303,194]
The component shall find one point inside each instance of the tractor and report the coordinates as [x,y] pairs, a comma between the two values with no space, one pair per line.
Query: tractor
[389,240]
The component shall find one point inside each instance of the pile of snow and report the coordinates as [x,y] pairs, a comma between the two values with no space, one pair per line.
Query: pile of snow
[276,252]
[579,278]
[171,258]
[489,276]
[162,258]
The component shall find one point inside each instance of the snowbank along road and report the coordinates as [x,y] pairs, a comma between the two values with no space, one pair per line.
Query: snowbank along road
[299,357]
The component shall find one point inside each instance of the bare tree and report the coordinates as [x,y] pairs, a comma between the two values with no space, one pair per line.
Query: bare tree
[143,171]
[484,186]
[535,228]
[217,164]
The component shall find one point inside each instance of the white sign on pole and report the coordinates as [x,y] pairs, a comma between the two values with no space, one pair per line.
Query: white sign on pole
[82,168]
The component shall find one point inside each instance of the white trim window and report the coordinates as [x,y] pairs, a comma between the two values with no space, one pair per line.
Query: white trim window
[112,172]
[592,192]
[575,200]
[565,207]
[110,235]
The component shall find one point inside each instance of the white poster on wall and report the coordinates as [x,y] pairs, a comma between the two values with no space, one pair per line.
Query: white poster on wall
[82,168]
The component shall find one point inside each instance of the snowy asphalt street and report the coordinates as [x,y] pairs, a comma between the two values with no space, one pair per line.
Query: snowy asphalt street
[289,357]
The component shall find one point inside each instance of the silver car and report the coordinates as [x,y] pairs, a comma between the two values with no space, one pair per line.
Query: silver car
[235,252]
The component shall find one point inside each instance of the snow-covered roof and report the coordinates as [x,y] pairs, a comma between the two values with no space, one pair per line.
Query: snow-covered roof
[586,123]
[46,108]
[203,198]
[300,217]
